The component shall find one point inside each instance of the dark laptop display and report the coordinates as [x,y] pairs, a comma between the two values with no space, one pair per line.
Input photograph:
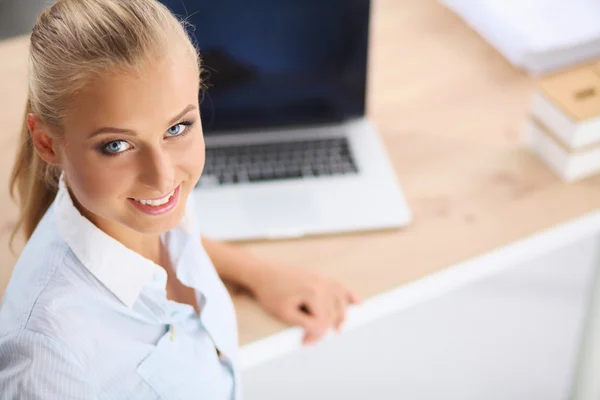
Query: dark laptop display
[276,63]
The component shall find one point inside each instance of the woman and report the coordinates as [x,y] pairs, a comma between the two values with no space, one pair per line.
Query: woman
[115,295]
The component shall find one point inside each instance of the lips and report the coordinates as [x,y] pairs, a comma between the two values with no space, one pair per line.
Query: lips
[157,206]
[156,202]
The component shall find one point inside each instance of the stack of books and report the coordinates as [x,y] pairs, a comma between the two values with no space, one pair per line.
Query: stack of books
[564,124]
[539,36]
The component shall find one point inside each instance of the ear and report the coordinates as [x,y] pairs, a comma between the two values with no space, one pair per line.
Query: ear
[44,143]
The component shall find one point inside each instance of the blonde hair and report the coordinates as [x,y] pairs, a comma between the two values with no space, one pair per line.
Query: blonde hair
[72,42]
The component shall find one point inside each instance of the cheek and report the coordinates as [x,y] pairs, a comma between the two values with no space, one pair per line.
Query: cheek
[192,160]
[93,182]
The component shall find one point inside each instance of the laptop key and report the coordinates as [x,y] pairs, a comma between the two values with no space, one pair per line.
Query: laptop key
[254,175]
[306,171]
[242,177]
[208,180]
[294,172]
[279,171]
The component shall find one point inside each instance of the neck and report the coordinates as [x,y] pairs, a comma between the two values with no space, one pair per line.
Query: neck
[148,246]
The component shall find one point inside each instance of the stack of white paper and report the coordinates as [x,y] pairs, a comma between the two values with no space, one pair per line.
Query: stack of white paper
[536,35]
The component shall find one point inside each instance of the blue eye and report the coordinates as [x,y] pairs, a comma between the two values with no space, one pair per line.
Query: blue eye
[115,147]
[177,130]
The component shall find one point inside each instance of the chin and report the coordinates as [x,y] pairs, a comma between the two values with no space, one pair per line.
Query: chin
[155,225]
[156,228]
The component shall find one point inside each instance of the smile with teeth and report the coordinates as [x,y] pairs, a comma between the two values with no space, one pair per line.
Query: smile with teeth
[156,202]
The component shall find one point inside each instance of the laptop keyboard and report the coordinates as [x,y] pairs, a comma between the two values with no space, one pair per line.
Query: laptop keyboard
[228,165]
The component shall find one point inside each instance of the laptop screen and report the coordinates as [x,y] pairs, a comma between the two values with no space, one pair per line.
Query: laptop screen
[276,63]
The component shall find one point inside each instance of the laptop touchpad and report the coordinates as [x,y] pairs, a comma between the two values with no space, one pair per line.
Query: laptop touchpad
[281,212]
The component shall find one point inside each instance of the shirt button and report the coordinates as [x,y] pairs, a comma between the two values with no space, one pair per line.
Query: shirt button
[172,335]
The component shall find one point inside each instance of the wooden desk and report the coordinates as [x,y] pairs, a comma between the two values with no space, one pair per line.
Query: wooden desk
[450,110]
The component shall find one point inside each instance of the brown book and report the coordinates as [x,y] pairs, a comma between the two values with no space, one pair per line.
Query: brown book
[568,104]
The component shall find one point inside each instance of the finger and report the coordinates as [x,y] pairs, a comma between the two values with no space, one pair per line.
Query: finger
[330,304]
[313,326]
[315,332]
[321,306]
[324,311]
[352,296]
[303,319]
[341,304]
[310,338]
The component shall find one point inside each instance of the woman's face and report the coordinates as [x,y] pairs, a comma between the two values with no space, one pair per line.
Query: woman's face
[132,148]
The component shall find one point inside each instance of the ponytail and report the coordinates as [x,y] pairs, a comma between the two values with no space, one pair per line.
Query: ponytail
[33,183]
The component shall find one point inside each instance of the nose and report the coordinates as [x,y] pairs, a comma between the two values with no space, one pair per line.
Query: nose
[157,171]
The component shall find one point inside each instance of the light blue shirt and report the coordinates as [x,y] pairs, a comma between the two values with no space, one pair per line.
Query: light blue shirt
[84,317]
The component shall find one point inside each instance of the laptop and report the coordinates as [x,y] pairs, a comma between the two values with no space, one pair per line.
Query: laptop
[289,149]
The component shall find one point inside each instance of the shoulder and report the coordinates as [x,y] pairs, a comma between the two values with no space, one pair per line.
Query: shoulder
[44,252]
[35,366]
[48,287]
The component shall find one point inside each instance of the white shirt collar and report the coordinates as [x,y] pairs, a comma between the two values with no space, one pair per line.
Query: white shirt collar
[123,271]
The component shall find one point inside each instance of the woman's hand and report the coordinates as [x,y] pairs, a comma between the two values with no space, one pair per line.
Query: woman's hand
[296,296]
[303,297]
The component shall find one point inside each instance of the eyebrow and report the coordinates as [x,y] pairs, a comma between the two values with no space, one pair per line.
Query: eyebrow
[109,129]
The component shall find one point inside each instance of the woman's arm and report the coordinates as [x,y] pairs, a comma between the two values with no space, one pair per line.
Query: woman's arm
[297,296]
[233,264]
